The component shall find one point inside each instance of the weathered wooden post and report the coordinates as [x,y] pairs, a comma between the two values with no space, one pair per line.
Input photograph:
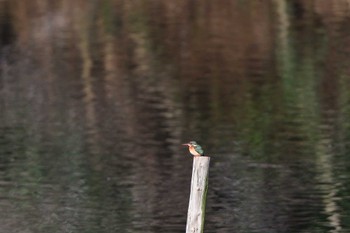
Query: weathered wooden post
[199,186]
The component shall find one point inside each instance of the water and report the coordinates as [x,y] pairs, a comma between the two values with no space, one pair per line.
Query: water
[96,99]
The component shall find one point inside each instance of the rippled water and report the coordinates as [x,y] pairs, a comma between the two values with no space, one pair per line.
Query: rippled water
[94,107]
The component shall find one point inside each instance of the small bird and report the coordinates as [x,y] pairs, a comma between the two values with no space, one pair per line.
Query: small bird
[194,148]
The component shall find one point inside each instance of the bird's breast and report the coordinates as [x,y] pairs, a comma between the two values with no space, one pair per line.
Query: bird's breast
[193,151]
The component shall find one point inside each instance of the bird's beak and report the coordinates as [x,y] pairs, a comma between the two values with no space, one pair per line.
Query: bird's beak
[185,144]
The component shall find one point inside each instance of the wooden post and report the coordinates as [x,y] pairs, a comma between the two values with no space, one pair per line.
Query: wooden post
[199,186]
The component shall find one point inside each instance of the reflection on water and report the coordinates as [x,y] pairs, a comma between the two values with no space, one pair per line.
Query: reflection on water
[96,100]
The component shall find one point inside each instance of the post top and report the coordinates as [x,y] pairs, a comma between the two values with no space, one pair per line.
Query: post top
[201,157]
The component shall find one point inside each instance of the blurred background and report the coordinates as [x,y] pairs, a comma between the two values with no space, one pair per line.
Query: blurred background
[96,97]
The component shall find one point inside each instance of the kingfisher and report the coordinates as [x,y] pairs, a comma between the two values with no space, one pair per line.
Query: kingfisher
[194,148]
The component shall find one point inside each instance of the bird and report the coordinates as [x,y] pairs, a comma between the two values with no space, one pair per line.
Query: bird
[194,148]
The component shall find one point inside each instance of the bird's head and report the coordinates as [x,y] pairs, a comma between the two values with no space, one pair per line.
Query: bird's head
[191,143]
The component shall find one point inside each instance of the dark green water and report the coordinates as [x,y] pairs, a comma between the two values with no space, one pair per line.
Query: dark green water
[94,108]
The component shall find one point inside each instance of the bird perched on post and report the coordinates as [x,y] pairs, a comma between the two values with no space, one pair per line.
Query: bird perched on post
[194,148]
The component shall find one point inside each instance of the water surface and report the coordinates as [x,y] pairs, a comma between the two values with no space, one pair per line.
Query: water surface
[96,99]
